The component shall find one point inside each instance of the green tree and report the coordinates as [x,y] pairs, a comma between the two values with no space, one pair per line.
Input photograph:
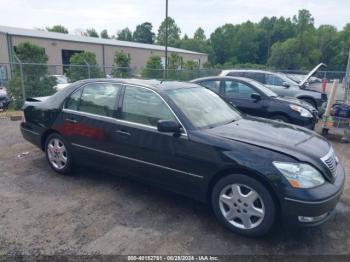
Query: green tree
[104,34]
[83,65]
[37,82]
[58,29]
[247,45]
[124,35]
[174,65]
[143,33]
[270,31]
[326,41]
[154,68]
[173,32]
[341,47]
[91,32]
[284,55]
[121,65]
[191,70]
[199,35]
[223,43]
[194,45]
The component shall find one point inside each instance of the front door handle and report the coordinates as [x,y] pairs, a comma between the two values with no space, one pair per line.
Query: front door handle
[72,121]
[123,133]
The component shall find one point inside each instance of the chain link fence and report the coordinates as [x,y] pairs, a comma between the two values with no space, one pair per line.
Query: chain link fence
[23,80]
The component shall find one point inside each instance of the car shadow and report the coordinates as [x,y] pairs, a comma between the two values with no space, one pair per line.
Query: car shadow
[167,211]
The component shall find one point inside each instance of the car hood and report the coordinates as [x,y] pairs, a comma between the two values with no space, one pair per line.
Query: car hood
[295,101]
[288,139]
[311,73]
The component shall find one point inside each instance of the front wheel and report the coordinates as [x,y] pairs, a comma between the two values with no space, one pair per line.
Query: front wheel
[243,205]
[58,154]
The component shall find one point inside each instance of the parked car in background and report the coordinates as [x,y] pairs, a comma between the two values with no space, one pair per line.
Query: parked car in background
[253,98]
[185,138]
[62,82]
[284,86]
[4,99]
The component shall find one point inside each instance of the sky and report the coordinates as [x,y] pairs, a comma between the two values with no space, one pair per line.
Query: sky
[114,15]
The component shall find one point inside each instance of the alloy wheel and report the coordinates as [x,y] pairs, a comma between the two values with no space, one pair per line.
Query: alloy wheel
[57,153]
[241,206]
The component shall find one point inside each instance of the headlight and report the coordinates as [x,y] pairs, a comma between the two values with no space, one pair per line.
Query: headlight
[302,111]
[300,175]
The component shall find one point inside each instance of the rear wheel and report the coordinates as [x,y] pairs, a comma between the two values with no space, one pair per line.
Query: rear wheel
[58,154]
[243,205]
[281,118]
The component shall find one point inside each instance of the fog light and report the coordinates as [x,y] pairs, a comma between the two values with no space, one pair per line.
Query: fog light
[311,219]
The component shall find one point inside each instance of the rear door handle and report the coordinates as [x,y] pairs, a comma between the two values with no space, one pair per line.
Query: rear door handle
[123,133]
[72,121]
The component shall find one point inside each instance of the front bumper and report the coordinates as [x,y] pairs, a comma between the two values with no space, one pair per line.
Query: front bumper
[318,207]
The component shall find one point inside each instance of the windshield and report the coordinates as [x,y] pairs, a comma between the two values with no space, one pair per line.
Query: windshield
[202,107]
[287,79]
[263,89]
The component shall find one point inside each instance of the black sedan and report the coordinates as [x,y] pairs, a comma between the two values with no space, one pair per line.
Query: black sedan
[255,99]
[185,138]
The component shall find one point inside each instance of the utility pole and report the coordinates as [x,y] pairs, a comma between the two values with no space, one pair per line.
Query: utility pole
[165,74]
[346,83]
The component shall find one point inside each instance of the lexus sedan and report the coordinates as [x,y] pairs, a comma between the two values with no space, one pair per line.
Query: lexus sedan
[185,138]
[255,99]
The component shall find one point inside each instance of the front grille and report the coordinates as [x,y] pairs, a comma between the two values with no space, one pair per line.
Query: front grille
[331,161]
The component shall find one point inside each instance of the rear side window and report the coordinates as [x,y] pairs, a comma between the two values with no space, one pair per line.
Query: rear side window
[143,106]
[257,77]
[213,85]
[72,102]
[96,98]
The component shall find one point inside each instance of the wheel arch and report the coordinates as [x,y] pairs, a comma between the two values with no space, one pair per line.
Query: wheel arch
[310,98]
[45,135]
[279,113]
[243,171]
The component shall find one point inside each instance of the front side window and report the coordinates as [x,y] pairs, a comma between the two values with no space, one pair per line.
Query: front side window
[96,98]
[273,80]
[202,107]
[237,89]
[143,106]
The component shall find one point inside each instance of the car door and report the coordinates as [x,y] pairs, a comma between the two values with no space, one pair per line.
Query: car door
[88,122]
[149,154]
[239,94]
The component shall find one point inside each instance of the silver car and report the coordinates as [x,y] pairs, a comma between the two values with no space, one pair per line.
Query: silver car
[283,85]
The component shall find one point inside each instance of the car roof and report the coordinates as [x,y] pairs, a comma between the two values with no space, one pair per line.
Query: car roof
[224,72]
[154,84]
[249,80]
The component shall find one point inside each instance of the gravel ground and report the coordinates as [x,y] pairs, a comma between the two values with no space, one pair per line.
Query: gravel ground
[42,212]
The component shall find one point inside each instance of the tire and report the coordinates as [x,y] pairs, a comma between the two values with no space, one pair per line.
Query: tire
[280,118]
[58,154]
[310,101]
[261,212]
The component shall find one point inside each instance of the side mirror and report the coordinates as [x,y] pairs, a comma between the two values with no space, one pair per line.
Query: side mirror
[168,126]
[256,96]
[286,85]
